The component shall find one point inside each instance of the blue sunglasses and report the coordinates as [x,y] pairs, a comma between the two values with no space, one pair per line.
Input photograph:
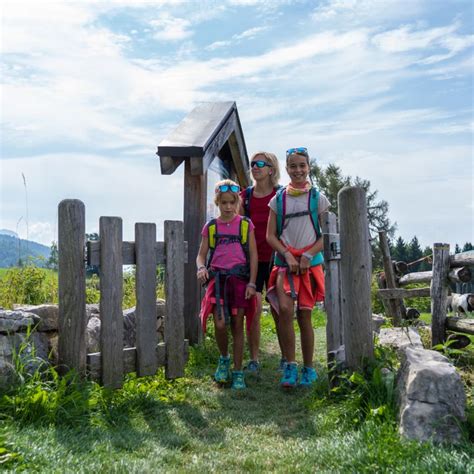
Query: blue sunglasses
[224,188]
[259,164]
[299,150]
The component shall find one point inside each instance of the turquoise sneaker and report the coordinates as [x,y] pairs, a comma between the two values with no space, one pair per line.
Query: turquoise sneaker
[238,381]
[253,369]
[290,375]
[222,374]
[282,365]
[308,376]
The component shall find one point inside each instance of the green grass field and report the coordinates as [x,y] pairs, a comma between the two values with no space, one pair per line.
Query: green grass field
[191,425]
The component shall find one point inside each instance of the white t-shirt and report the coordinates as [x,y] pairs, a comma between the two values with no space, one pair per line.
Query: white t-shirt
[299,231]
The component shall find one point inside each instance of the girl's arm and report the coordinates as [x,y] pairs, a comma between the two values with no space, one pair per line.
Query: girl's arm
[310,253]
[276,244]
[202,274]
[250,291]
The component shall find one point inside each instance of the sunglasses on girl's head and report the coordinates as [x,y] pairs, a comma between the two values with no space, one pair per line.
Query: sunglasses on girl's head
[299,150]
[259,164]
[223,188]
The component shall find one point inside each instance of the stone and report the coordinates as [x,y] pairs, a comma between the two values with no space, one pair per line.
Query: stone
[399,338]
[93,335]
[377,322]
[48,314]
[431,397]
[14,321]
[92,309]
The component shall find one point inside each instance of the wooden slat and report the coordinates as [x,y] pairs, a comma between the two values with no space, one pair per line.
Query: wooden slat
[439,292]
[174,279]
[169,164]
[395,306]
[460,325]
[128,253]
[72,286]
[356,272]
[332,301]
[195,198]
[417,277]
[145,314]
[197,130]
[461,259]
[399,293]
[239,155]
[111,291]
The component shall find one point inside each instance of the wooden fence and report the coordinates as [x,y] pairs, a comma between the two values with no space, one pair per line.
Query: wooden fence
[446,268]
[111,253]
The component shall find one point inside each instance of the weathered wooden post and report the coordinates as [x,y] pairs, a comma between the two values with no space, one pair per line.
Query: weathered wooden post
[209,131]
[174,277]
[332,301]
[439,292]
[356,271]
[394,305]
[72,286]
[111,292]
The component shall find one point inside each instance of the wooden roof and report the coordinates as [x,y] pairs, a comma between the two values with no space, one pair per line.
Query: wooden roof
[201,136]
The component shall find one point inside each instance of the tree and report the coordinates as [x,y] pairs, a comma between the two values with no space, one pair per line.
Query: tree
[457,249]
[400,251]
[92,269]
[467,246]
[414,253]
[52,262]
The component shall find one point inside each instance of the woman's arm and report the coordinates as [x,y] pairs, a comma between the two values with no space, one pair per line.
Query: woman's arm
[250,291]
[202,274]
[276,244]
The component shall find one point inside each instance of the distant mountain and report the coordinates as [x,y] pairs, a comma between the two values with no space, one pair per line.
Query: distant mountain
[8,232]
[12,248]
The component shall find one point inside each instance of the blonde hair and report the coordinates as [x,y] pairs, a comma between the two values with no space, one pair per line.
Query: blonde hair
[218,193]
[271,160]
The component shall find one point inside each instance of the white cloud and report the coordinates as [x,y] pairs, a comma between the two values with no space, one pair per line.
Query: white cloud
[237,38]
[169,28]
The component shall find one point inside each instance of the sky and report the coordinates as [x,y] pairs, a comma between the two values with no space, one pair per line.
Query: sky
[381,88]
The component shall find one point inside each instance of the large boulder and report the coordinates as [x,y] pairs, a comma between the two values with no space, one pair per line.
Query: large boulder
[48,314]
[400,338]
[14,321]
[431,397]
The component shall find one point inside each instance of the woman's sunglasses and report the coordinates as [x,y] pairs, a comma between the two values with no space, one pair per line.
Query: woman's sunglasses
[224,188]
[259,164]
[299,150]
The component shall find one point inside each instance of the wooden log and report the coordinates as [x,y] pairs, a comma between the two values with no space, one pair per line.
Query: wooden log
[111,291]
[412,314]
[416,277]
[356,271]
[439,292]
[195,198]
[458,341]
[128,253]
[461,260]
[332,300]
[71,286]
[169,164]
[460,325]
[129,356]
[145,287]
[391,293]
[395,305]
[382,284]
[460,275]
[174,278]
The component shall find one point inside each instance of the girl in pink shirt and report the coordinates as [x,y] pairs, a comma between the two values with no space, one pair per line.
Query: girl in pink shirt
[229,244]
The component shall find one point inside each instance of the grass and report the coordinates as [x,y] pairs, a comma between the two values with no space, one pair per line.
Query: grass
[190,425]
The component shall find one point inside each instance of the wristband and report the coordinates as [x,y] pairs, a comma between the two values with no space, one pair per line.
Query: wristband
[201,267]
[308,256]
[252,285]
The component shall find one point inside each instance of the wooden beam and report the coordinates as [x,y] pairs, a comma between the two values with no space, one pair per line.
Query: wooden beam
[461,259]
[460,325]
[169,164]
[460,274]
[72,286]
[400,293]
[439,292]
[128,253]
[417,277]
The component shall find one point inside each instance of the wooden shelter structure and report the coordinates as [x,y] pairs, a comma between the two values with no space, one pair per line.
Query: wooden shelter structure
[211,131]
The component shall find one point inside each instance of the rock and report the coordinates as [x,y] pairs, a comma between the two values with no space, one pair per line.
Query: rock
[399,338]
[48,314]
[8,376]
[431,397]
[13,321]
[92,310]
[377,322]
[93,335]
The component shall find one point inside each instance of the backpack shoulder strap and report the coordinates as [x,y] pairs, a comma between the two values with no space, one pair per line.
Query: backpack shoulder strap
[281,209]
[248,196]
[212,229]
[244,230]
[313,210]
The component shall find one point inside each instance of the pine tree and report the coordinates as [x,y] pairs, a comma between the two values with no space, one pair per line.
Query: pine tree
[414,253]
[52,262]
[457,249]
[467,246]
[400,251]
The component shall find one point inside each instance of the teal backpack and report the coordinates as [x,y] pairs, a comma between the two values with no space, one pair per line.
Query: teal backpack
[313,200]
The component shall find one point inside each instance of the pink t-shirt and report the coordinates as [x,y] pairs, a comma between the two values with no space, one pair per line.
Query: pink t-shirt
[227,254]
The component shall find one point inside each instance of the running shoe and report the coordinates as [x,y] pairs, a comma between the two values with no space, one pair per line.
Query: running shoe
[222,374]
[282,365]
[253,368]
[308,376]
[238,382]
[290,375]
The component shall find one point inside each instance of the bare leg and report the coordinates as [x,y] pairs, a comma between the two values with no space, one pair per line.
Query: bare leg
[254,332]
[222,338]
[237,325]
[276,318]
[307,336]
[285,324]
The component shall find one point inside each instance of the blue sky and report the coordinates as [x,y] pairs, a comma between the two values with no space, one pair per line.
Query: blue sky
[382,88]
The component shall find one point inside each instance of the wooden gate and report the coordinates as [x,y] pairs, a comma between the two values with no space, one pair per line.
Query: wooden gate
[110,253]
